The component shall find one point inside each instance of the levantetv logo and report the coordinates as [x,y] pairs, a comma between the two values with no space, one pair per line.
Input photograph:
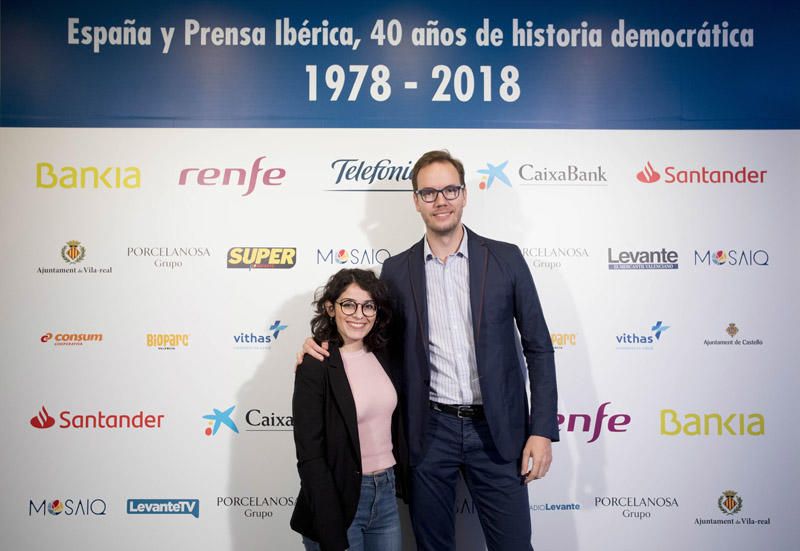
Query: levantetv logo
[164,507]
[701,175]
[643,260]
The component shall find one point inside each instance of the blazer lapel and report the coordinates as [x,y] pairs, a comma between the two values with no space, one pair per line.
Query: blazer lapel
[478,264]
[343,395]
[416,273]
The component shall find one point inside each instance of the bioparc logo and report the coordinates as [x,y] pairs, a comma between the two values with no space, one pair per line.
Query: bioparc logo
[167,341]
[594,424]
[643,260]
[252,258]
[70,339]
[83,507]
[382,175]
[258,341]
[553,258]
[245,179]
[636,507]
[730,504]
[262,507]
[733,332]
[367,256]
[168,258]
[254,421]
[641,341]
[48,176]
[99,420]
[732,257]
[563,340]
[701,175]
[138,506]
[73,253]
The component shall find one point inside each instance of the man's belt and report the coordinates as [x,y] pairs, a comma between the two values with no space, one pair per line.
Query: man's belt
[473,411]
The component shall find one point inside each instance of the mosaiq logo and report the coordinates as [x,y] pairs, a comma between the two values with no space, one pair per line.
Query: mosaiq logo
[382,175]
[594,424]
[642,260]
[139,506]
[73,254]
[252,258]
[367,256]
[641,341]
[99,420]
[168,258]
[244,179]
[742,258]
[259,341]
[51,176]
[701,175]
[82,507]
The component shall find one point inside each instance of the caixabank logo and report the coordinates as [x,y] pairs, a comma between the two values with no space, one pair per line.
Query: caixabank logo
[99,420]
[254,420]
[162,506]
[244,179]
[73,255]
[675,423]
[740,175]
[52,176]
[255,258]
[729,505]
[67,508]
[542,173]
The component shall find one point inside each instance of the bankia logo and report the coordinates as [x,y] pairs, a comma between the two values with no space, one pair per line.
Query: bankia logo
[70,339]
[634,340]
[244,179]
[553,258]
[139,506]
[674,423]
[636,507]
[741,258]
[733,332]
[259,341]
[594,424]
[570,174]
[702,175]
[355,174]
[82,507]
[51,176]
[355,257]
[643,259]
[492,173]
[73,253]
[730,504]
[167,341]
[255,420]
[168,258]
[98,420]
[252,258]
[262,507]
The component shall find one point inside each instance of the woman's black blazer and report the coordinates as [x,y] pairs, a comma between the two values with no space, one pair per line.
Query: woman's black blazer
[328,450]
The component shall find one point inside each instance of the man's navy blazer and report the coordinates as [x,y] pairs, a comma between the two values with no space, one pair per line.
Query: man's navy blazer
[502,292]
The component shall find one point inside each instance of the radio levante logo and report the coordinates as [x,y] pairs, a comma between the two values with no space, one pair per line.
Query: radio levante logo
[254,419]
[371,175]
[732,257]
[91,177]
[643,260]
[352,256]
[73,253]
[253,258]
[701,175]
[467,507]
[68,507]
[99,420]
[245,179]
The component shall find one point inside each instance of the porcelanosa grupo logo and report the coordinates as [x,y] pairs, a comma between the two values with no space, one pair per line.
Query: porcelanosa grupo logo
[553,258]
[702,175]
[354,257]
[168,258]
[638,507]
[243,178]
[99,420]
[83,507]
[262,507]
[640,340]
[492,173]
[354,174]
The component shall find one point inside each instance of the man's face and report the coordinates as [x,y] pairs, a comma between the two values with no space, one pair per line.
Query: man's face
[441,216]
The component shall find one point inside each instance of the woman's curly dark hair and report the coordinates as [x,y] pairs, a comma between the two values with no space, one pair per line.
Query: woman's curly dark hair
[323,327]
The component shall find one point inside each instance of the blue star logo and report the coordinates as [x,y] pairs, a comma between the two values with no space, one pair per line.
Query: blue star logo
[221,418]
[494,171]
[277,327]
[658,328]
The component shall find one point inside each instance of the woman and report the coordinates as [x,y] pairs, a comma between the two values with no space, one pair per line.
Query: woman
[345,422]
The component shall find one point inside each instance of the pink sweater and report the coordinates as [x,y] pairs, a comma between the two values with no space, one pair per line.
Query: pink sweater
[375,400]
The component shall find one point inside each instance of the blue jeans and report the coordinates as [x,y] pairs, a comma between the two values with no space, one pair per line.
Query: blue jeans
[376,526]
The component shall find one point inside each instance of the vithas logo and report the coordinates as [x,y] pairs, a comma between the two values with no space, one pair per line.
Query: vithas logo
[648,175]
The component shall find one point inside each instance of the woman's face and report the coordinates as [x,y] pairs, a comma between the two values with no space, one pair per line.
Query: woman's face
[354,325]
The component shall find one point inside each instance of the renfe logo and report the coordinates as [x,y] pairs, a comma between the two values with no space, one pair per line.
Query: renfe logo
[648,175]
[211,176]
[164,507]
[615,423]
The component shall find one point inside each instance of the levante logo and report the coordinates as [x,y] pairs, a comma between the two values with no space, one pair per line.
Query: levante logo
[252,258]
[701,175]
[643,260]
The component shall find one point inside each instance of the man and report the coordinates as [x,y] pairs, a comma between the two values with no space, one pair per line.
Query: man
[458,296]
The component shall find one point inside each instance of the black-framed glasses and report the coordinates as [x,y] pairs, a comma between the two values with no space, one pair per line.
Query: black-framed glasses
[350,307]
[430,194]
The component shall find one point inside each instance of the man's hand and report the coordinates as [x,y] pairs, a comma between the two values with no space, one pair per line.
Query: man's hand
[314,350]
[537,450]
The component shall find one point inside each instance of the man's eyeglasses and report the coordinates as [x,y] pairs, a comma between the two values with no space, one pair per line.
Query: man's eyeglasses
[430,194]
[349,307]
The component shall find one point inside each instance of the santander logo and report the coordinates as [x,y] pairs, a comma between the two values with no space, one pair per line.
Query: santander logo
[42,420]
[648,175]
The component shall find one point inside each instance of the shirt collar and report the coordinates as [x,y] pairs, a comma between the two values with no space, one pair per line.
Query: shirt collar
[462,249]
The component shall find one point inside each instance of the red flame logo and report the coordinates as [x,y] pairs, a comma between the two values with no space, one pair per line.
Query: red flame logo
[648,175]
[42,420]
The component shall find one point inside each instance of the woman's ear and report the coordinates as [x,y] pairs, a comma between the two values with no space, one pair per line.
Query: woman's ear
[329,309]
